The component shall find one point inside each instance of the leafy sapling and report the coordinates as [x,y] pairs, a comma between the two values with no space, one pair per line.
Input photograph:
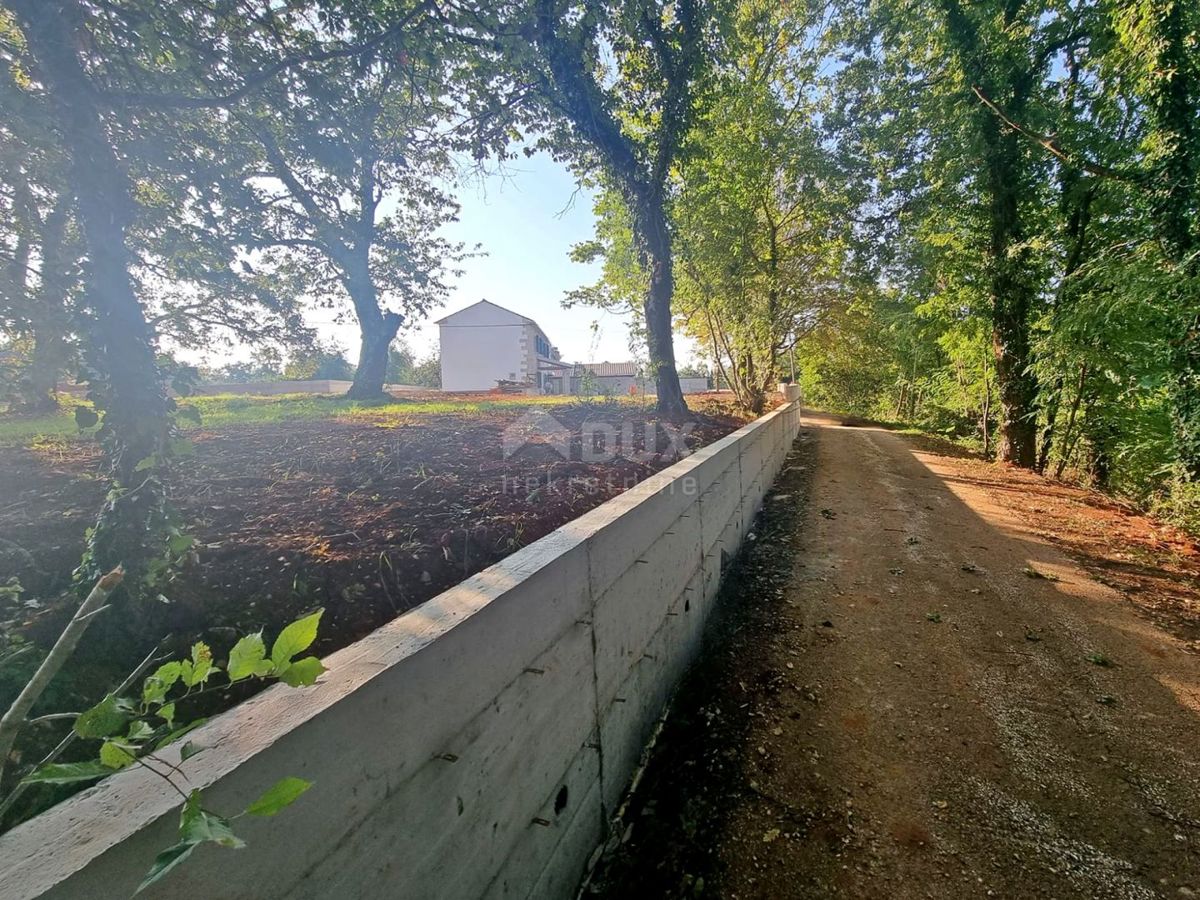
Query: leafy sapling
[133,730]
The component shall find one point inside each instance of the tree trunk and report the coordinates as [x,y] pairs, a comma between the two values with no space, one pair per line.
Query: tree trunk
[757,403]
[377,329]
[985,420]
[654,237]
[377,337]
[1101,465]
[134,403]
[40,384]
[24,214]
[576,95]
[1010,281]
[1068,438]
[1047,444]
[1018,389]
[1012,296]
[136,422]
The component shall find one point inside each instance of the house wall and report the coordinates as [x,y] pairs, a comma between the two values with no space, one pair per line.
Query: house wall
[475,357]
[619,385]
[474,747]
[269,388]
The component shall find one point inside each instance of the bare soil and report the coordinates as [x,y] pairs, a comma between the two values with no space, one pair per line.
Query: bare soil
[934,677]
[368,520]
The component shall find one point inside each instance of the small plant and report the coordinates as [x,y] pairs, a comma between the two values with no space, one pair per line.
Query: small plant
[131,729]
[1099,659]
[11,589]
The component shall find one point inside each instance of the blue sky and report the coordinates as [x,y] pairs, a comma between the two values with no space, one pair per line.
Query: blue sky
[526,223]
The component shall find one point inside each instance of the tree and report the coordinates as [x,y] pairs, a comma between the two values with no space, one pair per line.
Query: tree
[1000,52]
[757,212]
[41,261]
[762,208]
[136,413]
[405,368]
[324,362]
[139,226]
[619,83]
[350,202]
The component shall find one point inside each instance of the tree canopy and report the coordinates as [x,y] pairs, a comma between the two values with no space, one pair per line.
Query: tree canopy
[977,217]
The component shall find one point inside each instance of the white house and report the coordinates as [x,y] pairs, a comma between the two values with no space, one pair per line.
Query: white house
[485,344]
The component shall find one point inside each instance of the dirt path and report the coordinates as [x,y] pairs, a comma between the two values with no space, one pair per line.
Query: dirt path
[918,698]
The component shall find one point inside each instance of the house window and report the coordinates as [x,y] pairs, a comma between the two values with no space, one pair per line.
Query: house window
[542,345]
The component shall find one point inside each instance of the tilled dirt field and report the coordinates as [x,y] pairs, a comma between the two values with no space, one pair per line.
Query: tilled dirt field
[915,693]
[367,520]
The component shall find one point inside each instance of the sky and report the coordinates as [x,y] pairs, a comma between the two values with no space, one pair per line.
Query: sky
[525,223]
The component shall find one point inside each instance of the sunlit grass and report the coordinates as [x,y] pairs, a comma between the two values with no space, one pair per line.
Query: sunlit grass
[57,426]
[225,410]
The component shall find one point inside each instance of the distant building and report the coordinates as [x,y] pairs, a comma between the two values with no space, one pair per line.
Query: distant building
[618,379]
[622,379]
[485,345]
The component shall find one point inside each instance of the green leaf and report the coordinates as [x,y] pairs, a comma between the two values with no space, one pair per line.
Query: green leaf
[67,773]
[139,731]
[180,543]
[115,756]
[280,795]
[148,462]
[167,713]
[165,862]
[85,416]
[302,672]
[156,686]
[197,825]
[248,657]
[188,750]
[102,720]
[295,638]
[196,670]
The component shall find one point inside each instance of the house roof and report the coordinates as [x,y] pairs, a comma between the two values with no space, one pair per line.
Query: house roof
[612,370]
[449,319]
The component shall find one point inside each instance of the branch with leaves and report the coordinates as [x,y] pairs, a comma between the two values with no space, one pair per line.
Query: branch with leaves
[133,730]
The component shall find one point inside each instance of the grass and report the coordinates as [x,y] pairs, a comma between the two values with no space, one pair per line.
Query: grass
[26,430]
[223,410]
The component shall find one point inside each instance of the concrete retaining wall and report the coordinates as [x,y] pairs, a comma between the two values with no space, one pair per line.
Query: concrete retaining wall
[271,388]
[474,747]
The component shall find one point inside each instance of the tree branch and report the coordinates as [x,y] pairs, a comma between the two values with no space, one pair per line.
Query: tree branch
[1129,176]
[253,82]
[16,716]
